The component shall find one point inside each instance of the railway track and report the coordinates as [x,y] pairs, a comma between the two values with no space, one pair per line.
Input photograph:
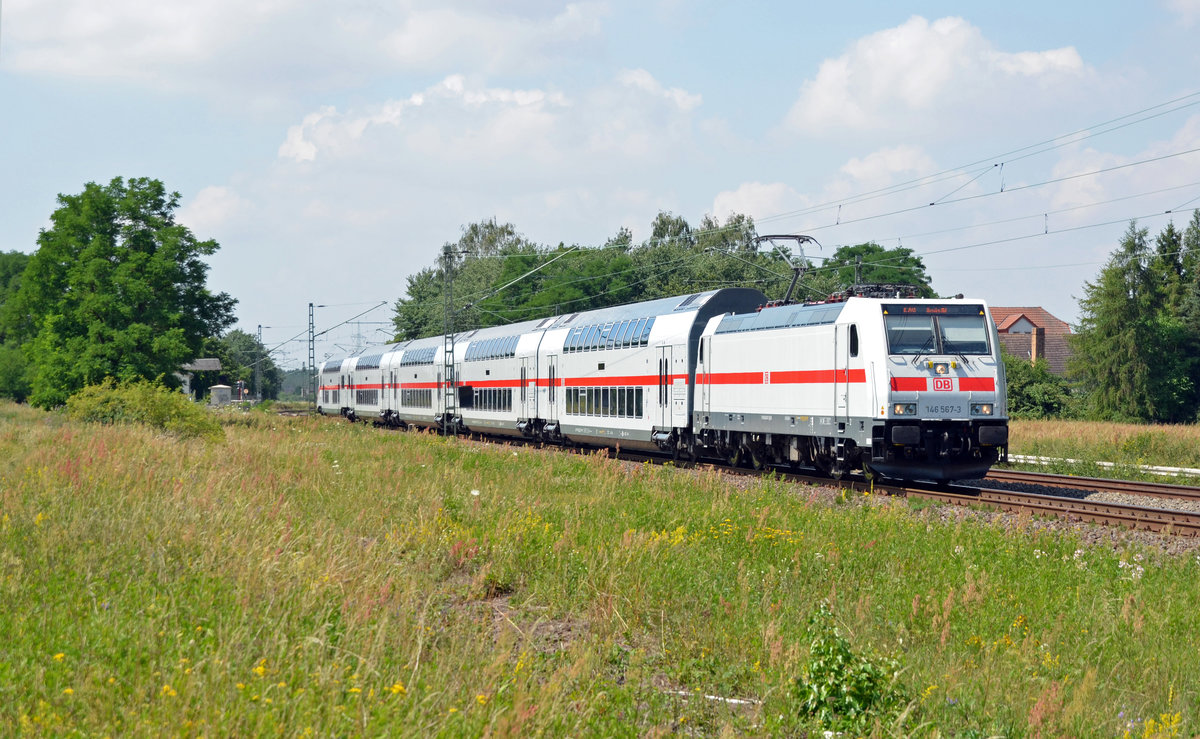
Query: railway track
[1164,520]
[1097,484]
[1146,518]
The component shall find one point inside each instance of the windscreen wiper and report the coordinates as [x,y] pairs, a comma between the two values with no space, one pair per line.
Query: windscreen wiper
[921,351]
[952,348]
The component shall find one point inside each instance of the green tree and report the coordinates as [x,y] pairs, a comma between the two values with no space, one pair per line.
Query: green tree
[668,228]
[476,263]
[1189,260]
[877,265]
[1166,266]
[13,369]
[1133,355]
[1033,390]
[115,289]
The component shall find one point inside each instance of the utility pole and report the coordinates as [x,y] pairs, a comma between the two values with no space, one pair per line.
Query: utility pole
[258,366]
[450,396]
[312,358]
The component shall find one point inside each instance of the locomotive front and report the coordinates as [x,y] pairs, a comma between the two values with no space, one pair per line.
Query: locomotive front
[946,413]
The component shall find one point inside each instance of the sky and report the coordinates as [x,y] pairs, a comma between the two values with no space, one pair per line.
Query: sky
[333,148]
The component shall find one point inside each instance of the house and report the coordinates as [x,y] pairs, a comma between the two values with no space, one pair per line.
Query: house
[197,365]
[1033,333]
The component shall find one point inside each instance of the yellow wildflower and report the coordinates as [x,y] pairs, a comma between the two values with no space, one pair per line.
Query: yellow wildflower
[59,657]
[68,691]
[398,689]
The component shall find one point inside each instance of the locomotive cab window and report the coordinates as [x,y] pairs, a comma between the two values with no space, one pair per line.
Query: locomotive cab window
[910,334]
[964,334]
[853,340]
[957,329]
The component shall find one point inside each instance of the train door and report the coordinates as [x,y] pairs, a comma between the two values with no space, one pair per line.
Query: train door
[841,373]
[551,410]
[528,392]
[664,388]
[703,379]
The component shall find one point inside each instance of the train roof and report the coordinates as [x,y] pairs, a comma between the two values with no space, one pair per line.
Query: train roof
[781,316]
[723,299]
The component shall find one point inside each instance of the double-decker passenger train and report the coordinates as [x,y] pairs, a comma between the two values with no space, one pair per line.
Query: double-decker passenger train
[901,387]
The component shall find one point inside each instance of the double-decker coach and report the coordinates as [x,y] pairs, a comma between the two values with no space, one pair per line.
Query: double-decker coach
[329,386]
[496,378]
[625,375]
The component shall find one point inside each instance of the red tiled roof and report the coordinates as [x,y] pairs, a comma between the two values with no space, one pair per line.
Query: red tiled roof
[1039,317]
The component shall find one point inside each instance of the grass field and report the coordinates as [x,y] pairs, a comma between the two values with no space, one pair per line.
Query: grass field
[1126,445]
[311,577]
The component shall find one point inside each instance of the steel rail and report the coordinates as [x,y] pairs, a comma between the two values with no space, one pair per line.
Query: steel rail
[1097,484]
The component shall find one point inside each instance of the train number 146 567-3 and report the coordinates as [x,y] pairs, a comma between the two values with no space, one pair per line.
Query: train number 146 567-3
[944,410]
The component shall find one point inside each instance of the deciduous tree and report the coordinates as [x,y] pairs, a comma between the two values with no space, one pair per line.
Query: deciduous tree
[117,288]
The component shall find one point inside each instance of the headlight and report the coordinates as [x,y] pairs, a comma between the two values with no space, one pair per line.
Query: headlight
[981,409]
[904,409]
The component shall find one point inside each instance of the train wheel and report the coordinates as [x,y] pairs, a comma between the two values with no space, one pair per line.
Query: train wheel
[756,459]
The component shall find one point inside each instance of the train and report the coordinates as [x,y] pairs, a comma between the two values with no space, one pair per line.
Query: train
[885,383]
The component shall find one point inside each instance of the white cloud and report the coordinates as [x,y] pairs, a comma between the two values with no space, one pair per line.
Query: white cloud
[759,200]
[268,47]
[492,41]
[1187,10]
[1139,179]
[642,80]
[453,120]
[540,133]
[880,168]
[212,208]
[918,70]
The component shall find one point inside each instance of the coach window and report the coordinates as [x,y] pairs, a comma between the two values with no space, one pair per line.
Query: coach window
[854,340]
[644,339]
[623,335]
[635,336]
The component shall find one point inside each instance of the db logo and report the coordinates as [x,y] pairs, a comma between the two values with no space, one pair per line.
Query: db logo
[943,383]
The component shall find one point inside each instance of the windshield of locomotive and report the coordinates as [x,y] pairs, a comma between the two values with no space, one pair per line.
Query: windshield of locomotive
[964,334]
[910,334]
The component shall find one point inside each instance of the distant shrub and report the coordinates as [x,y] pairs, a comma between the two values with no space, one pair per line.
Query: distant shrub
[145,403]
[840,689]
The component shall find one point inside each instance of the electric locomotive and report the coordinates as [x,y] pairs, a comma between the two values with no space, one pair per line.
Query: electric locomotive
[905,388]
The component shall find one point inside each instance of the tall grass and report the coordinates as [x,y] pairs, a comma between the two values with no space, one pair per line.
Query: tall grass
[312,577]
[1129,446]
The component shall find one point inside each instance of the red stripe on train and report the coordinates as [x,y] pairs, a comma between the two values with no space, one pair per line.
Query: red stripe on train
[784,377]
[909,384]
[977,383]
